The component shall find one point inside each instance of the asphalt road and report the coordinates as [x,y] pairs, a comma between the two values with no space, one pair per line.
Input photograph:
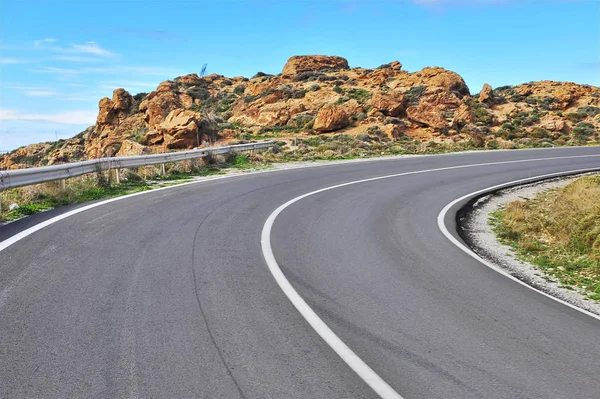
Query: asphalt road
[168,294]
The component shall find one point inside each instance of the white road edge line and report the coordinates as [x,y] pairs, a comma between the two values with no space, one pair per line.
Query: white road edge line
[382,388]
[442,226]
[27,232]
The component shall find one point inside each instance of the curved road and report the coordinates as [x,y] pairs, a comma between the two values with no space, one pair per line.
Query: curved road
[167,294]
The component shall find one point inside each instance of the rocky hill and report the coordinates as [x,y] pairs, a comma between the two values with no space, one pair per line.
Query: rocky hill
[321,96]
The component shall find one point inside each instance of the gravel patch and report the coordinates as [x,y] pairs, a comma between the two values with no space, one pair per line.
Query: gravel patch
[483,241]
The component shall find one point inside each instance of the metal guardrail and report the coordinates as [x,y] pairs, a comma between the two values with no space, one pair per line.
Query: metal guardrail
[24,177]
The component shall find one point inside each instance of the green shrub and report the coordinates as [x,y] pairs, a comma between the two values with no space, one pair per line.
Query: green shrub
[200,93]
[309,76]
[540,133]
[300,121]
[584,129]
[482,116]
[414,94]
[575,116]
[239,89]
[588,110]
[360,95]
[338,89]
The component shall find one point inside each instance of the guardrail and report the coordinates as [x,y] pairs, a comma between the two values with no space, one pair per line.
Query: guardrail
[25,177]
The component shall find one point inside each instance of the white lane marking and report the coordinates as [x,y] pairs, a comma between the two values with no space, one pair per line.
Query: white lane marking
[468,251]
[365,372]
[356,363]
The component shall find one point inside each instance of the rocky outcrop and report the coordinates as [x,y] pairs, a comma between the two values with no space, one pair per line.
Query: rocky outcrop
[552,122]
[390,104]
[427,115]
[304,63]
[131,148]
[180,129]
[113,111]
[486,95]
[331,117]
[157,105]
[320,94]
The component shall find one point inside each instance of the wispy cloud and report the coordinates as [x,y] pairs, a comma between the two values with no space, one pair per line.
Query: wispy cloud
[87,48]
[90,48]
[77,58]
[69,117]
[41,42]
[40,93]
[113,70]
[63,72]
[8,61]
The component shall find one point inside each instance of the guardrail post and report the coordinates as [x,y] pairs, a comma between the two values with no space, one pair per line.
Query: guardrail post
[63,184]
[162,169]
[117,176]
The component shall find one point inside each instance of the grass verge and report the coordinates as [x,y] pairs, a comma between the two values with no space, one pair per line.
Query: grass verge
[558,231]
[42,197]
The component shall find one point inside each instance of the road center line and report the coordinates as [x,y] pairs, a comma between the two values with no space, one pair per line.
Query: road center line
[368,375]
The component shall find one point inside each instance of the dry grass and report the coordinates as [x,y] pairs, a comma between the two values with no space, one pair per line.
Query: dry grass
[559,230]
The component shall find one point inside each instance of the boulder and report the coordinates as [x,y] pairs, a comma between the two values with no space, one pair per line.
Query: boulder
[486,94]
[157,105]
[552,122]
[330,117]
[303,63]
[180,129]
[426,114]
[121,100]
[111,112]
[396,65]
[389,104]
[105,107]
[189,80]
[131,148]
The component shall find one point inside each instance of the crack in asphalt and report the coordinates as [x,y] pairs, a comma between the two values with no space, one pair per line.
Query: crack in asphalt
[196,288]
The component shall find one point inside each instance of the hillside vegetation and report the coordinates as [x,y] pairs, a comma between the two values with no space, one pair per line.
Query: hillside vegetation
[559,231]
[318,107]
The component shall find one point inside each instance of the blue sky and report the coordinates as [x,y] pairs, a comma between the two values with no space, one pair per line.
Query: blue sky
[58,58]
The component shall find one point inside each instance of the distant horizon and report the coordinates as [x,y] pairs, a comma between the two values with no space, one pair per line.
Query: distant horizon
[54,73]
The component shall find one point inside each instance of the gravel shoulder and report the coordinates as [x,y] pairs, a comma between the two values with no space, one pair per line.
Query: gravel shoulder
[483,241]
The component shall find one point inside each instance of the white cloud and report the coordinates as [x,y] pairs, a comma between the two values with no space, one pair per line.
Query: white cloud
[38,43]
[40,93]
[64,72]
[69,117]
[90,48]
[76,58]
[7,61]
[112,70]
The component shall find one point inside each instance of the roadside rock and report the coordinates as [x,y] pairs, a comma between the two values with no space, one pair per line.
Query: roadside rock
[331,117]
[180,129]
[130,148]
